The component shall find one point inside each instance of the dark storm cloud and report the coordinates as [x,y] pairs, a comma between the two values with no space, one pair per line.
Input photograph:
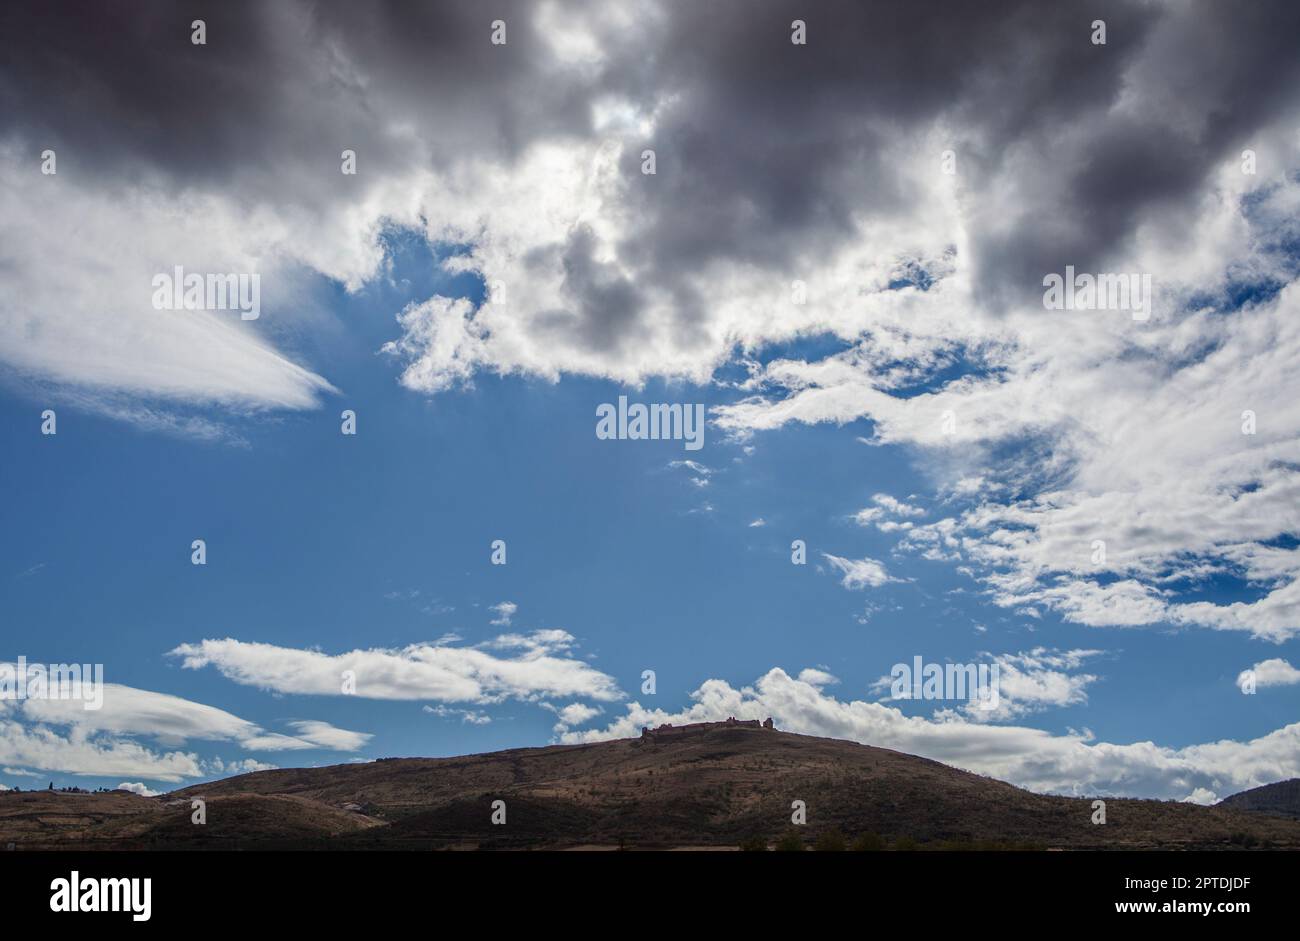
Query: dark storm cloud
[767,152]
[1205,77]
[772,146]
[278,91]
[607,301]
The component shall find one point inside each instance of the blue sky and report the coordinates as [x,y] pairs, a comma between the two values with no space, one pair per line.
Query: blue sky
[841,257]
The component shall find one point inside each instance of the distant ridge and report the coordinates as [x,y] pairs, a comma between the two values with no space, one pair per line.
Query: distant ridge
[1281,798]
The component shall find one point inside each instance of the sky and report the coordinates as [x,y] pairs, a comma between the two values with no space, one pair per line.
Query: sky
[840,256]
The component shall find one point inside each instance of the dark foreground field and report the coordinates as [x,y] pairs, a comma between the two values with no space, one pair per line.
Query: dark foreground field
[718,790]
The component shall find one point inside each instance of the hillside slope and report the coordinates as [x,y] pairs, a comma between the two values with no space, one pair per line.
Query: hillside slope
[1281,798]
[49,820]
[715,790]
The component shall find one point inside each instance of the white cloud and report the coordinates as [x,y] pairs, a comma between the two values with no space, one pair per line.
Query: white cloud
[573,714]
[817,677]
[504,611]
[219,766]
[1274,672]
[886,507]
[174,721]
[540,666]
[323,735]
[694,467]
[701,472]
[78,310]
[60,735]
[1027,682]
[859,573]
[469,716]
[1084,426]
[102,756]
[1032,681]
[135,787]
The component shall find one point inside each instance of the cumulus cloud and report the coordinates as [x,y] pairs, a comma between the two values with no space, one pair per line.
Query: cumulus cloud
[575,713]
[135,787]
[1274,672]
[1073,764]
[533,665]
[504,611]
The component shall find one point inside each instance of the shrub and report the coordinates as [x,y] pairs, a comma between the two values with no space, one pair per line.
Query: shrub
[754,844]
[868,843]
[905,844]
[830,841]
[791,842]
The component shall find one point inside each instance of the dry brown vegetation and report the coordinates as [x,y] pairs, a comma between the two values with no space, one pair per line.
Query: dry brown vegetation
[118,820]
[721,790]
[1282,798]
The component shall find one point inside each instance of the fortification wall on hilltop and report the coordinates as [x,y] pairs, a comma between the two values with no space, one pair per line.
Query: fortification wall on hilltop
[668,731]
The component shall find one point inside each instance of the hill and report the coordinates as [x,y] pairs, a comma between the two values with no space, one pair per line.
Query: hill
[713,790]
[1281,798]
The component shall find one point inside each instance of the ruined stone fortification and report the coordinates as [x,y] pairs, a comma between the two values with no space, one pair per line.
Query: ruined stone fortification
[669,732]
